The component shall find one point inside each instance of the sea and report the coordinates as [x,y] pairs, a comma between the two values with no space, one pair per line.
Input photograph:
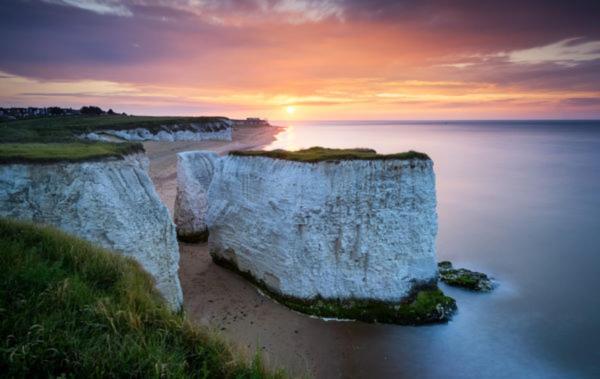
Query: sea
[518,200]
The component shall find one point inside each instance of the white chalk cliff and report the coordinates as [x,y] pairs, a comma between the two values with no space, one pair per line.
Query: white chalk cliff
[110,202]
[349,229]
[213,130]
[194,174]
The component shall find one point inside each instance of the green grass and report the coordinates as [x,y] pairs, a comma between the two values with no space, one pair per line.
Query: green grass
[465,281]
[69,309]
[64,128]
[424,306]
[321,154]
[64,152]
[54,139]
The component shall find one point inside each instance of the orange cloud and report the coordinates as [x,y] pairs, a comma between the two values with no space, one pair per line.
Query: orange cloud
[333,59]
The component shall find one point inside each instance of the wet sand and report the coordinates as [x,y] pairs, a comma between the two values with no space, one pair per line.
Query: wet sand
[225,302]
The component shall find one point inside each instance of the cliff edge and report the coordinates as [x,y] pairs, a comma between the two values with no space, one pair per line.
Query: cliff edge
[218,129]
[106,199]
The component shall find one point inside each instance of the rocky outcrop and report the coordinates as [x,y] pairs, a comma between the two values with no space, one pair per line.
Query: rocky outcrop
[348,229]
[111,202]
[345,234]
[194,174]
[461,277]
[212,130]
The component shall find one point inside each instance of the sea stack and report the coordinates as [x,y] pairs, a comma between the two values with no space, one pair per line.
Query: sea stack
[342,233]
[110,201]
[194,174]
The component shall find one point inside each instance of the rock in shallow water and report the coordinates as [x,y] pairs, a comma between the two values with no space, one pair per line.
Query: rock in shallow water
[461,277]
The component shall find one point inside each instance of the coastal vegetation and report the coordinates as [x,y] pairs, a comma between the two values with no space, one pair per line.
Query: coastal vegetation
[53,139]
[64,152]
[67,128]
[426,305]
[321,154]
[461,277]
[68,308]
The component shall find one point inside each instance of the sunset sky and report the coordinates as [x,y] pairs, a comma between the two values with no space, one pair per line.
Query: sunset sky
[305,59]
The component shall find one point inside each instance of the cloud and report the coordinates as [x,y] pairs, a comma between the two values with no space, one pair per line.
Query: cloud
[567,52]
[262,54]
[245,12]
[309,10]
[103,7]
[459,65]
[218,12]
[583,101]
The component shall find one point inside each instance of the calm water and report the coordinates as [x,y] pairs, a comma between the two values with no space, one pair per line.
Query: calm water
[519,201]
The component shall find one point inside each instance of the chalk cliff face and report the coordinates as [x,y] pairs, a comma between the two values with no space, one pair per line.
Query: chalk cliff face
[214,130]
[109,202]
[350,229]
[194,174]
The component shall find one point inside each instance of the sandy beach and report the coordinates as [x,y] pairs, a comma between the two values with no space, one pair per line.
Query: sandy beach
[225,302]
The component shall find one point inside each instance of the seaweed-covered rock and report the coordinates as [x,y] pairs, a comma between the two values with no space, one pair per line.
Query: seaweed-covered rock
[461,277]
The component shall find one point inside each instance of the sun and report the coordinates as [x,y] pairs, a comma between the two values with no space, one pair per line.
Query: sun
[290,109]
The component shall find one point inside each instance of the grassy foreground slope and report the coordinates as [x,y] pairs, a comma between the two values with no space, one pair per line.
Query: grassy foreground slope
[69,308]
[322,154]
[64,128]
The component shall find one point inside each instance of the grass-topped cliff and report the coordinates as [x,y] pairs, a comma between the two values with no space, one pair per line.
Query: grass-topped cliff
[55,139]
[64,152]
[322,154]
[64,128]
[70,309]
